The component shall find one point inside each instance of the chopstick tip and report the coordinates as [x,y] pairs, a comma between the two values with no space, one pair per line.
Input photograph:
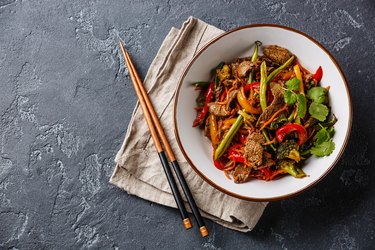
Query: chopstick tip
[187,223]
[203,230]
[122,44]
[123,49]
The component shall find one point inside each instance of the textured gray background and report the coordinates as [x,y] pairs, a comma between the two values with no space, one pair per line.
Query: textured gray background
[66,100]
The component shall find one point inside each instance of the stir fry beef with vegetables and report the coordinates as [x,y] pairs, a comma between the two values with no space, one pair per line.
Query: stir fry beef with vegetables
[265,115]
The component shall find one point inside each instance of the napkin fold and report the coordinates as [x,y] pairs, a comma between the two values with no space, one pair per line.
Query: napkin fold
[138,170]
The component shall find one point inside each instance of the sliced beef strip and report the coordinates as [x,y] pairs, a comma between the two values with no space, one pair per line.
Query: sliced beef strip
[223,109]
[241,174]
[232,95]
[244,68]
[241,68]
[253,152]
[256,136]
[268,61]
[254,148]
[276,104]
[277,54]
[218,109]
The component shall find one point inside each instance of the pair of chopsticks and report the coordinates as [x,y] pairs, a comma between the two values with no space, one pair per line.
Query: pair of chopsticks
[155,130]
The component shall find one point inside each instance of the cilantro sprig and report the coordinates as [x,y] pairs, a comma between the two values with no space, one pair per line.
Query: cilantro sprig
[317,94]
[291,98]
[323,145]
[293,84]
[317,109]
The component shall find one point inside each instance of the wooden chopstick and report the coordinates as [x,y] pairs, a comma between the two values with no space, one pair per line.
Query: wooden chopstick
[172,183]
[142,94]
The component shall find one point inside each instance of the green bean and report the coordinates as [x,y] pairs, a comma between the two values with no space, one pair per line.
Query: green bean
[224,144]
[255,54]
[263,85]
[253,59]
[279,69]
[251,77]
[265,134]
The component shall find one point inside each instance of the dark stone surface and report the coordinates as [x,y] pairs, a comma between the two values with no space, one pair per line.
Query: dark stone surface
[66,100]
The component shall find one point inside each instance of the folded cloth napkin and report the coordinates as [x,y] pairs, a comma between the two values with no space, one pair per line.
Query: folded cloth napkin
[138,169]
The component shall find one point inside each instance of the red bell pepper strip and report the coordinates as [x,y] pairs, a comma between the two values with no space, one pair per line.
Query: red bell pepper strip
[267,172]
[278,77]
[254,85]
[318,74]
[235,156]
[282,132]
[203,113]
[219,165]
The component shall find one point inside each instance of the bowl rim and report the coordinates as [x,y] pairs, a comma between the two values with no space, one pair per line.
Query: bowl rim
[205,178]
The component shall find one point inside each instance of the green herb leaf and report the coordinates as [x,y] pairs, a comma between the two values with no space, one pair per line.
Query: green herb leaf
[322,136]
[331,131]
[220,65]
[293,84]
[323,145]
[217,81]
[323,149]
[301,105]
[317,94]
[289,97]
[318,111]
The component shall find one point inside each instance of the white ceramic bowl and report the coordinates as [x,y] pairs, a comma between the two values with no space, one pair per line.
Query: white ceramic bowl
[236,43]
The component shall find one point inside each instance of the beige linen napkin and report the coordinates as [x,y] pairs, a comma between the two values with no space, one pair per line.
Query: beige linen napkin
[138,169]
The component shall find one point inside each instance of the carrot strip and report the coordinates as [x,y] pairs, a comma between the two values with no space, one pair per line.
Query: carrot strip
[276,173]
[247,163]
[227,175]
[270,142]
[273,117]
[250,124]
[227,97]
[286,76]
[311,134]
[238,150]
[231,167]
